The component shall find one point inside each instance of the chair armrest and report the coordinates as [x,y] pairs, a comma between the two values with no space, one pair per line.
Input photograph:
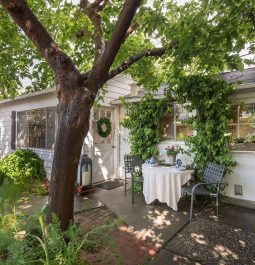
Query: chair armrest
[204,183]
[197,185]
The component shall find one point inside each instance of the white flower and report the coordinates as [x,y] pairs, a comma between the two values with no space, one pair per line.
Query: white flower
[137,168]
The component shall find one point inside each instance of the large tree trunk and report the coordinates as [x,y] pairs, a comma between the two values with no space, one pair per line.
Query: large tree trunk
[73,125]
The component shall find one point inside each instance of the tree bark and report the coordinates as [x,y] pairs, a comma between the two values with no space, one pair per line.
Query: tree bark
[73,125]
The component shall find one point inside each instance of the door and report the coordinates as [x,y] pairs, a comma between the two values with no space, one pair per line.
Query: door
[103,147]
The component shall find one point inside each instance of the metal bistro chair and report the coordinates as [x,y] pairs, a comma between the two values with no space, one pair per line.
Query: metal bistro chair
[131,162]
[212,177]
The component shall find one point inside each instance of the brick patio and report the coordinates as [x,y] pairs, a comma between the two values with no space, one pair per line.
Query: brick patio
[128,250]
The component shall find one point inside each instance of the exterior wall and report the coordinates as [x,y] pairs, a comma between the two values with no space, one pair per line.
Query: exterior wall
[242,175]
[119,86]
[124,147]
[46,100]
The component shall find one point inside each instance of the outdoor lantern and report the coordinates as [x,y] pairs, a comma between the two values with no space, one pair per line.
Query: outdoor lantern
[85,171]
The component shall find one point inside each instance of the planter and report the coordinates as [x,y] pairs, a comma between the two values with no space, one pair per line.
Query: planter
[242,147]
[172,160]
[79,189]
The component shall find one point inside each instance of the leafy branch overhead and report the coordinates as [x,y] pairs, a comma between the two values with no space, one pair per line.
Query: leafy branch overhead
[207,36]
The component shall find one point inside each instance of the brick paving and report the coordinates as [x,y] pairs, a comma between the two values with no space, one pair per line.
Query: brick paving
[128,248]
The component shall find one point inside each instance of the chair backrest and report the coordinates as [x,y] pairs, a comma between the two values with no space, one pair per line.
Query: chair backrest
[131,162]
[213,173]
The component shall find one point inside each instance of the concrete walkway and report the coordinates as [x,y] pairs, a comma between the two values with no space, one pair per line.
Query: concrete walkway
[154,223]
[208,240]
[34,204]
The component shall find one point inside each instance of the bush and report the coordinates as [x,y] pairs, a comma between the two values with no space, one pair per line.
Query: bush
[22,166]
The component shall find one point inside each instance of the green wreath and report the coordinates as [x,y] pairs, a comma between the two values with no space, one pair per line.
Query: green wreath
[108,125]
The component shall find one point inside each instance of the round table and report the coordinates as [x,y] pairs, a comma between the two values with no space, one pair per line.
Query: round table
[164,183]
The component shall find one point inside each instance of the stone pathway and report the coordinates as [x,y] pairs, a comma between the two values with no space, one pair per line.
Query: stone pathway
[214,243]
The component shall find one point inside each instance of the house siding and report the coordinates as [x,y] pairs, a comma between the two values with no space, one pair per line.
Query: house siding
[119,86]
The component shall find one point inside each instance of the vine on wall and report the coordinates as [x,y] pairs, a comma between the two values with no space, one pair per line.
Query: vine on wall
[143,122]
[210,98]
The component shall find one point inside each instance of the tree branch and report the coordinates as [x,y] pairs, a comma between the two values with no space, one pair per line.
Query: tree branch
[99,5]
[118,35]
[28,22]
[157,52]
[92,11]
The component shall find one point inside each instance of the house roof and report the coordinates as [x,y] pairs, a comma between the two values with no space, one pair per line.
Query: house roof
[32,94]
[245,77]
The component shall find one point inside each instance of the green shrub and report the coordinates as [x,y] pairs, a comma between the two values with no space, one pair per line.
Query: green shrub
[22,166]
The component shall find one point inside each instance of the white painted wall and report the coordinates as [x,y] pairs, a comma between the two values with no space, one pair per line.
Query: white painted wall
[119,86]
[243,174]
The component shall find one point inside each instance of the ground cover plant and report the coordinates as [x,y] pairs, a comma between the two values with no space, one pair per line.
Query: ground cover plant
[26,239]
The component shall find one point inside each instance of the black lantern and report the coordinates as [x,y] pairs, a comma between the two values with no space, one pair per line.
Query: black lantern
[85,171]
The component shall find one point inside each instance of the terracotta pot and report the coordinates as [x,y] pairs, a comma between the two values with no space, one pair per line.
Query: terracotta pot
[79,189]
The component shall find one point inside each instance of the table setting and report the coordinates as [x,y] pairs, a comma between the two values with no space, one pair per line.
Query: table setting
[163,181]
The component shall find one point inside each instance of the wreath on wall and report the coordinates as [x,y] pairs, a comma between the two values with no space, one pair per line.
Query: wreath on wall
[107,123]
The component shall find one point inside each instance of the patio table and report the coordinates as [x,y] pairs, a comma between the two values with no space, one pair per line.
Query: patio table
[164,183]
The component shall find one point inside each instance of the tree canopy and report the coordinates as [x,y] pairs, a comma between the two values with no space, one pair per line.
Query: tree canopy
[199,36]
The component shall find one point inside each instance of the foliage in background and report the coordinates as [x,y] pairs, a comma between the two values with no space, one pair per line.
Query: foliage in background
[143,122]
[199,36]
[210,98]
[23,166]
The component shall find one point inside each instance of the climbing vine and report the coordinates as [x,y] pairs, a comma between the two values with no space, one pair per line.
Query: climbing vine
[143,122]
[210,98]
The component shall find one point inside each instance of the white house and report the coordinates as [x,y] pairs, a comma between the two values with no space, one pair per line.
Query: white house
[31,121]
[20,116]
[240,187]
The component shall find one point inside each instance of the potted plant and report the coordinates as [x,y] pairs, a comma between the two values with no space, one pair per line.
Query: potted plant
[172,152]
[79,189]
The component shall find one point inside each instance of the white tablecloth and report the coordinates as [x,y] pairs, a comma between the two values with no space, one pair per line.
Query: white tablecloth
[164,183]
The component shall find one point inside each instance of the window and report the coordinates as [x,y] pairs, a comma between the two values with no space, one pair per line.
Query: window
[36,128]
[167,124]
[242,121]
[173,124]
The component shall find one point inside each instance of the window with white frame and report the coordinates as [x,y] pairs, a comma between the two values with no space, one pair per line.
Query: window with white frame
[36,128]
[242,120]
[173,123]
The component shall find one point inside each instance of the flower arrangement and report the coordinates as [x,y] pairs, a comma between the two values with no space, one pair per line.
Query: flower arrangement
[173,150]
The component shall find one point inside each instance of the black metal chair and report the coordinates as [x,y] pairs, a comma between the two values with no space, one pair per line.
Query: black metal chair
[212,178]
[131,163]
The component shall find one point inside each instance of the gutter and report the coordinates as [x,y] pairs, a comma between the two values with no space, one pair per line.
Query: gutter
[134,99]
[30,95]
